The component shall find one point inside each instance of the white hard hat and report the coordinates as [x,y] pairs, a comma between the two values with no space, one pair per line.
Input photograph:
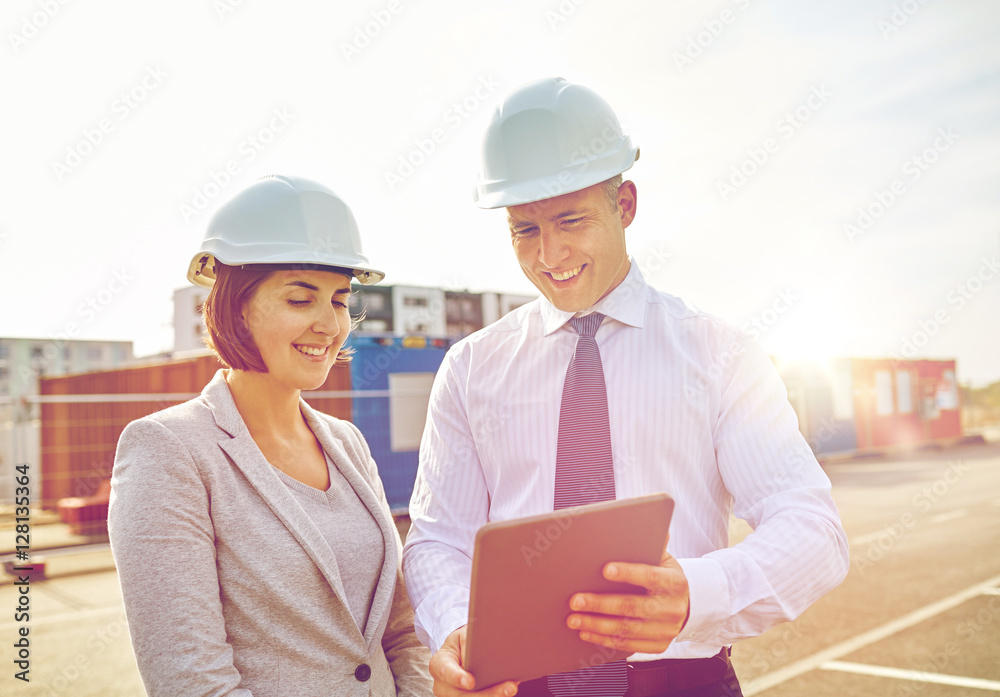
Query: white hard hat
[548,138]
[283,221]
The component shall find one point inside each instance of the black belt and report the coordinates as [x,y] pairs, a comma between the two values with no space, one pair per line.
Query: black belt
[656,677]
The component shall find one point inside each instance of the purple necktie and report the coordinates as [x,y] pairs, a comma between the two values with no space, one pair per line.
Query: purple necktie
[585,474]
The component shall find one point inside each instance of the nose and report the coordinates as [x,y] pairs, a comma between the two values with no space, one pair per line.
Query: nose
[328,321]
[552,247]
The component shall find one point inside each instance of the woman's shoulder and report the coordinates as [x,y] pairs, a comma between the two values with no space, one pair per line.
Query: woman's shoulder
[190,420]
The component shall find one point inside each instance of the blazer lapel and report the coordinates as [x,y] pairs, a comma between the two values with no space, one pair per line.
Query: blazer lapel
[237,443]
[348,456]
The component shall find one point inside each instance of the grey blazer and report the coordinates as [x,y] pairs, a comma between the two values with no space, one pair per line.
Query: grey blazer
[229,587]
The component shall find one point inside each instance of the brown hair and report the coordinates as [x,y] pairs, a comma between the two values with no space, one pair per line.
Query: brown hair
[228,335]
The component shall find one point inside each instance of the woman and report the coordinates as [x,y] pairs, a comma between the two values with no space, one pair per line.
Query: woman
[255,548]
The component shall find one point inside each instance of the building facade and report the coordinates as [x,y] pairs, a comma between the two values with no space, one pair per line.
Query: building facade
[23,362]
[383,309]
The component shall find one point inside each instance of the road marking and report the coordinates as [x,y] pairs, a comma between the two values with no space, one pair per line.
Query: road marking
[804,665]
[951,515]
[991,591]
[915,675]
[870,537]
[69,617]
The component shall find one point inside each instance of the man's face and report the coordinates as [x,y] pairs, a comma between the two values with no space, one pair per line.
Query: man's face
[572,247]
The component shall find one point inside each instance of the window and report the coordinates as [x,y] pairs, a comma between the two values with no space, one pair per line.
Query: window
[375,325]
[904,392]
[411,301]
[883,393]
[375,302]
[946,396]
[408,397]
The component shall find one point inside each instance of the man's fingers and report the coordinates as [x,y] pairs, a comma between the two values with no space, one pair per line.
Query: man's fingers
[624,627]
[668,578]
[451,680]
[641,606]
[448,674]
[627,645]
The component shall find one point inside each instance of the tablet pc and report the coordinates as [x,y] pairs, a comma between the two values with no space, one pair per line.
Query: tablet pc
[524,572]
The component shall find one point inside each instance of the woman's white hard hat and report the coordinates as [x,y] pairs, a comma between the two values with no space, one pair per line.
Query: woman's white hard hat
[286,222]
[548,138]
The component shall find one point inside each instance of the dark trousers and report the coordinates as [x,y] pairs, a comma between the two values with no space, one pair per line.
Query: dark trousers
[700,677]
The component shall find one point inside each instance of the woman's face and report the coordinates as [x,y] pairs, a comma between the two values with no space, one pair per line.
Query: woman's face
[299,321]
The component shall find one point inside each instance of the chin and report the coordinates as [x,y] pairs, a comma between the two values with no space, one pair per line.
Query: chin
[568,304]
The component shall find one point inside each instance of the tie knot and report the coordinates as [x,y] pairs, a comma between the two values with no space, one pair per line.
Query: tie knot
[588,324]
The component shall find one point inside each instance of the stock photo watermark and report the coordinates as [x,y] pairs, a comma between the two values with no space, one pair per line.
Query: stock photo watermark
[365,33]
[250,147]
[425,146]
[32,25]
[751,330]
[224,7]
[562,12]
[913,169]
[786,126]
[936,662]
[899,16]
[701,41]
[957,298]
[87,310]
[929,496]
[121,109]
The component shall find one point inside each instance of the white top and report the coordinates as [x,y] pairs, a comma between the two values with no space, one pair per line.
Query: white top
[696,410]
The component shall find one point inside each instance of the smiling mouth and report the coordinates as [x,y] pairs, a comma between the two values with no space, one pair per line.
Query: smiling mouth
[565,275]
[311,350]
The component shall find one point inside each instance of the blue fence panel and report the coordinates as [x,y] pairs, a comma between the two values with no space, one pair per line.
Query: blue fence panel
[374,360]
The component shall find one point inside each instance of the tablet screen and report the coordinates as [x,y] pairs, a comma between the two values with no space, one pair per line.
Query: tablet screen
[524,572]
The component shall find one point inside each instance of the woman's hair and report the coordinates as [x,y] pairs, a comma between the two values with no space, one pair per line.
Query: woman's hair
[228,335]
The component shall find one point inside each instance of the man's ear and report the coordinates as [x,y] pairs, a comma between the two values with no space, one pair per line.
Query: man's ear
[627,199]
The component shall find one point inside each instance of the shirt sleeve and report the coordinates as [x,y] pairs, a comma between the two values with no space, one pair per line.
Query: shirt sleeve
[798,550]
[449,503]
[163,542]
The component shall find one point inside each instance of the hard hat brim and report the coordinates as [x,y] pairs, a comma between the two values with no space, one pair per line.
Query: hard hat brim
[504,194]
[201,271]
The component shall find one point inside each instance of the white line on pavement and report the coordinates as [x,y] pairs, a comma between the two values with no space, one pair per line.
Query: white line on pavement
[950,515]
[915,675]
[804,665]
[68,617]
[870,537]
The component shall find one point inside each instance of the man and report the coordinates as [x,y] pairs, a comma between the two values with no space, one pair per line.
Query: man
[693,409]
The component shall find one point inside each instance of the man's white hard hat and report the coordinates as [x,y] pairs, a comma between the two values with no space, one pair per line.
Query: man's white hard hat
[549,138]
[285,222]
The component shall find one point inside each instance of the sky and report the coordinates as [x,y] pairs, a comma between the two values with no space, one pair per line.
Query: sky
[823,174]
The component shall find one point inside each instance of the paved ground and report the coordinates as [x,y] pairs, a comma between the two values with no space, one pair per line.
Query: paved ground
[921,606]
[918,615]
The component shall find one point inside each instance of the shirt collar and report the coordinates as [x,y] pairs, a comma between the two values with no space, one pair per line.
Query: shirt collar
[626,304]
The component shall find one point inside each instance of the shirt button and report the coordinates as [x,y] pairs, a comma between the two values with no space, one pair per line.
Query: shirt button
[363,672]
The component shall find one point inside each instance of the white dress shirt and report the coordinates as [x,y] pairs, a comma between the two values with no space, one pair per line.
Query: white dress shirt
[696,410]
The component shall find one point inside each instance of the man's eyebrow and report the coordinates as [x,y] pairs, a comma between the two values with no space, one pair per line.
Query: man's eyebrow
[570,213]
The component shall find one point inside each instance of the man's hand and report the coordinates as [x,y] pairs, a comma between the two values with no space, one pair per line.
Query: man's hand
[634,623]
[451,680]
